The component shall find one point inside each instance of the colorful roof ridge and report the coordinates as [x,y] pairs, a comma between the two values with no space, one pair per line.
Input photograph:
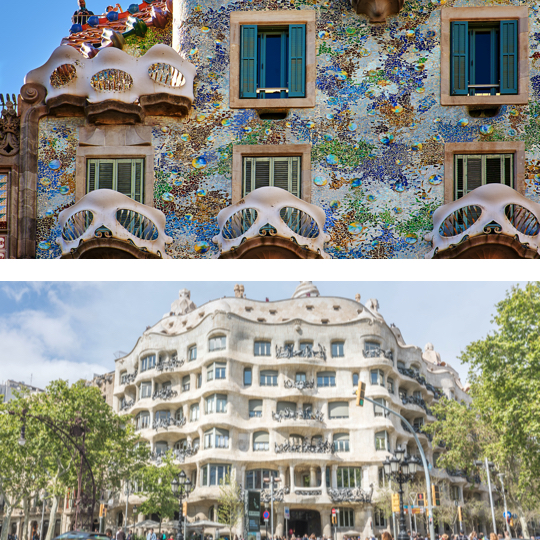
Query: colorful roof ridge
[154,13]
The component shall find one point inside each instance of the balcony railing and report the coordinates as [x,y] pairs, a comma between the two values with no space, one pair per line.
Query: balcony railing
[287,351]
[491,208]
[289,414]
[300,385]
[165,423]
[276,212]
[408,372]
[413,400]
[377,353]
[320,447]
[345,495]
[169,365]
[126,404]
[106,213]
[164,393]
[279,494]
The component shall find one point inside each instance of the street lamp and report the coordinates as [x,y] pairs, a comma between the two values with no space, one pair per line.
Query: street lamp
[487,464]
[402,469]
[506,520]
[272,479]
[181,487]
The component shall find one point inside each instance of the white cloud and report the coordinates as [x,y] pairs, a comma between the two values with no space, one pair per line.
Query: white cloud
[15,292]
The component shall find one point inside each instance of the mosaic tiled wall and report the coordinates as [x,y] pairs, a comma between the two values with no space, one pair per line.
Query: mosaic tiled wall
[3,200]
[377,132]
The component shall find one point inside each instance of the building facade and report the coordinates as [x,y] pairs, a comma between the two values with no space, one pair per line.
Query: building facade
[9,387]
[376,130]
[258,389]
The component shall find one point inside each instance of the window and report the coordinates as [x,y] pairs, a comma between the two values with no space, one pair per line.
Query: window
[247,376]
[185,384]
[268,378]
[338,409]
[400,364]
[378,411]
[181,444]
[123,377]
[210,372]
[285,406]
[382,477]
[326,378]
[123,175]
[220,370]
[341,442]
[162,415]
[261,441]
[418,423]
[355,379]
[217,343]
[143,420]
[161,447]
[306,346]
[179,414]
[255,408]
[216,438]
[345,517]
[454,493]
[371,346]
[337,349]
[255,478]
[282,172]
[148,362]
[300,377]
[390,385]
[261,348]
[199,379]
[402,393]
[273,61]
[484,57]
[214,474]
[192,353]
[377,377]
[436,456]
[417,394]
[194,412]
[349,477]
[307,408]
[146,390]
[381,441]
[216,403]
[380,520]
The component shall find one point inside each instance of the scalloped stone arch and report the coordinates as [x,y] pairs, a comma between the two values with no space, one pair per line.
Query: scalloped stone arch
[270,248]
[108,248]
[488,246]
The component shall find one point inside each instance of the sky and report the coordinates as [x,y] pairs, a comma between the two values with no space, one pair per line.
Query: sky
[30,38]
[72,330]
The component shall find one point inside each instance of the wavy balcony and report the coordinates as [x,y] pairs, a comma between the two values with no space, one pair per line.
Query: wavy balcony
[491,222]
[107,224]
[271,223]
[114,86]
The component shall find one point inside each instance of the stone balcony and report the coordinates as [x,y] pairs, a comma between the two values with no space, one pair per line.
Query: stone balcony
[271,223]
[491,222]
[115,87]
[107,224]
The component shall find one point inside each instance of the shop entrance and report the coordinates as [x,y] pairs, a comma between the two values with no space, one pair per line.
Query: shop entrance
[305,522]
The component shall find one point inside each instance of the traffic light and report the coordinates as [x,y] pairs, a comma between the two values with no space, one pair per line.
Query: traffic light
[421,498]
[436,494]
[360,394]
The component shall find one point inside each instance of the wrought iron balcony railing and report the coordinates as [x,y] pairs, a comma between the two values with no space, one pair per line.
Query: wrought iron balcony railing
[128,378]
[275,212]
[165,423]
[377,353]
[164,393]
[289,414]
[126,404]
[287,351]
[106,213]
[344,495]
[300,385]
[169,365]
[279,494]
[491,208]
[306,447]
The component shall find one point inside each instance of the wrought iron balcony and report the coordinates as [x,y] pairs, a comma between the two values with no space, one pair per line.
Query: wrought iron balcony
[165,423]
[417,429]
[129,378]
[164,393]
[106,213]
[491,208]
[126,404]
[169,365]
[308,492]
[287,351]
[289,414]
[177,454]
[378,353]
[272,211]
[306,447]
[344,495]
[300,385]
[279,494]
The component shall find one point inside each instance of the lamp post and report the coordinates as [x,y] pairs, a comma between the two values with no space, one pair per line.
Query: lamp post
[126,491]
[272,479]
[487,464]
[402,469]
[181,486]
[506,520]
[134,515]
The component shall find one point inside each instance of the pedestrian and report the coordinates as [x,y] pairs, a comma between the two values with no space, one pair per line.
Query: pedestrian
[120,534]
[108,532]
[386,536]
[130,535]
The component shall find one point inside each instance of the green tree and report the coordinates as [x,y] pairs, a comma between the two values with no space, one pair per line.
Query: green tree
[230,503]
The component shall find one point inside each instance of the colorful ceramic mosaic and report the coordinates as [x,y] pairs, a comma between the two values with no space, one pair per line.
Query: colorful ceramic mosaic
[3,200]
[377,132]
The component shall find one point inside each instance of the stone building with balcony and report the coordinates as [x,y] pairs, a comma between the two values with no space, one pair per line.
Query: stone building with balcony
[290,129]
[260,389]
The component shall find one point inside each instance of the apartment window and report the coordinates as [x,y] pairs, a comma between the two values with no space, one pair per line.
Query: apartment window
[338,409]
[217,343]
[255,408]
[162,415]
[181,444]
[220,370]
[382,477]
[148,362]
[216,438]
[417,394]
[194,412]
[255,478]
[306,346]
[123,175]
[341,442]
[484,57]
[261,441]
[216,403]
[146,390]
[355,379]
[285,406]
[379,411]
[390,385]
[436,456]
[269,378]
[161,448]
[455,493]
[248,374]
[261,348]
[307,408]
[143,420]
[400,364]
[123,377]
[196,443]
[380,520]
[199,379]
[381,441]
[377,377]
[349,477]
[418,423]
[402,393]
[192,353]
[371,346]
[345,517]
[337,349]
[179,414]
[326,378]
[185,384]
[300,377]
[214,474]
[210,372]
[283,172]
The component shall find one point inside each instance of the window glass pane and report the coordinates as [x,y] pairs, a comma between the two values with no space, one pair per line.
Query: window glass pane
[338,409]
[273,61]
[217,343]
[300,377]
[220,371]
[247,376]
[268,378]
[255,408]
[262,348]
[355,379]
[192,355]
[337,349]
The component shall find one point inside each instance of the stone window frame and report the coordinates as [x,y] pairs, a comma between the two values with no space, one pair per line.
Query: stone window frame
[489,13]
[272,18]
[137,144]
[271,150]
[513,147]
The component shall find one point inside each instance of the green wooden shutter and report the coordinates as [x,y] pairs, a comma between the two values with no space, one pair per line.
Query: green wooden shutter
[281,175]
[139,178]
[248,180]
[494,169]
[105,174]
[248,61]
[459,61]
[473,173]
[91,176]
[124,177]
[295,177]
[509,57]
[297,60]
[262,172]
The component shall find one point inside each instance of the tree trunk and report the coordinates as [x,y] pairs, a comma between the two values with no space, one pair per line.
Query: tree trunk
[26,510]
[523,521]
[52,517]
[8,510]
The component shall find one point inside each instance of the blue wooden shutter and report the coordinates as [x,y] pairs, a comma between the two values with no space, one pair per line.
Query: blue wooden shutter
[297,60]
[248,61]
[509,57]
[459,61]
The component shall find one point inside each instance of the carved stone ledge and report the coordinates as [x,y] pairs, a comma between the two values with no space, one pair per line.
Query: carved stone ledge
[164,104]
[269,247]
[67,105]
[108,248]
[377,10]
[33,93]
[114,112]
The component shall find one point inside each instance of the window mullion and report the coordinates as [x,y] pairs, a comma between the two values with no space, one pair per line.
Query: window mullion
[271,172]
[465,175]
[472,64]
[494,61]
[483,169]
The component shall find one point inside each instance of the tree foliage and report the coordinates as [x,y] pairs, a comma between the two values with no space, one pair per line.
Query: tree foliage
[230,503]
